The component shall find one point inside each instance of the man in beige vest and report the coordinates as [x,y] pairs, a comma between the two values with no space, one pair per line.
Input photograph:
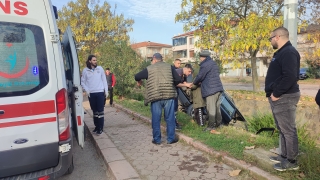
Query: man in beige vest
[160,92]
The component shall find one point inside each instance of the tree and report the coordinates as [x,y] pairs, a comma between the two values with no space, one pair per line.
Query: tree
[124,62]
[93,24]
[233,27]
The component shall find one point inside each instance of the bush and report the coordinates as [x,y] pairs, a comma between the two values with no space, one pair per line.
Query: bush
[313,69]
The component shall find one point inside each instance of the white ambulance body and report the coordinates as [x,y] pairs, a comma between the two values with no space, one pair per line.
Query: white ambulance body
[40,93]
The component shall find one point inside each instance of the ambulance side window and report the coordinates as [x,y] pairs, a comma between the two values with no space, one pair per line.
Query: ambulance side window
[23,59]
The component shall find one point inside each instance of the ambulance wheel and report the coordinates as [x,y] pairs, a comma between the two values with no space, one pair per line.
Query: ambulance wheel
[71,167]
[190,111]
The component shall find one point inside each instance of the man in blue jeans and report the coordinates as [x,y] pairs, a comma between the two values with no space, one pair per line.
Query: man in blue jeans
[283,93]
[160,91]
[94,82]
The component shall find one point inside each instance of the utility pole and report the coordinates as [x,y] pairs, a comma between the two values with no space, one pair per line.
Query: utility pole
[291,23]
[291,19]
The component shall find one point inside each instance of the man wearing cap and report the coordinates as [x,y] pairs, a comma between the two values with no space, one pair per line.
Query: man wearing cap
[211,88]
[161,83]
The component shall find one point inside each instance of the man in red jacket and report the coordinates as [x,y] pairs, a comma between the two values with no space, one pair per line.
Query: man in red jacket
[111,79]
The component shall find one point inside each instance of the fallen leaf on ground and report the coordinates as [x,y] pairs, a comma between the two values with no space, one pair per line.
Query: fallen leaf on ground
[132,118]
[234,173]
[249,147]
[214,132]
[302,175]
[253,135]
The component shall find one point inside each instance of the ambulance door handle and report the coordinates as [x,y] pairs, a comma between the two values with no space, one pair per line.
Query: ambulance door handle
[1,111]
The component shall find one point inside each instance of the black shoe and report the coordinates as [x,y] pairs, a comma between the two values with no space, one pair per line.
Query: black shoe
[156,143]
[99,132]
[174,141]
[95,130]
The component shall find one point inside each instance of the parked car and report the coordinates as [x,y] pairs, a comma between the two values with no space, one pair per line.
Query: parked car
[303,73]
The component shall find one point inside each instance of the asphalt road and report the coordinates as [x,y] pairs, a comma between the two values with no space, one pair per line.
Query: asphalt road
[305,89]
[88,165]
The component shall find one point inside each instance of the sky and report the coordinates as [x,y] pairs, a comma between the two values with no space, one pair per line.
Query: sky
[154,19]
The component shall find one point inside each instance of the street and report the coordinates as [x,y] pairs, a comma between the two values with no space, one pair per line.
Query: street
[305,89]
[88,165]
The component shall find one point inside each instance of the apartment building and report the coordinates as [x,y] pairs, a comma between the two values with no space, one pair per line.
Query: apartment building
[183,47]
[147,49]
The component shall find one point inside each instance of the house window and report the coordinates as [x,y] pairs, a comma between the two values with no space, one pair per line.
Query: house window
[180,54]
[191,41]
[179,41]
[191,53]
[166,51]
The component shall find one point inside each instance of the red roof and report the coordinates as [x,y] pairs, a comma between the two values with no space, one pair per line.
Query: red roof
[149,44]
[184,34]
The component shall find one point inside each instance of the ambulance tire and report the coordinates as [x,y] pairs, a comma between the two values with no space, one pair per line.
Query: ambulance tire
[71,168]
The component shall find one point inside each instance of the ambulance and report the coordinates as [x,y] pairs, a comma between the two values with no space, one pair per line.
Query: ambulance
[41,109]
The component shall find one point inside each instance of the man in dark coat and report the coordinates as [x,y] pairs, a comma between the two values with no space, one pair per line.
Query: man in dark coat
[211,88]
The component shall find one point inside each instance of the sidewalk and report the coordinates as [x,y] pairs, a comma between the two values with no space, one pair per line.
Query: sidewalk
[129,154]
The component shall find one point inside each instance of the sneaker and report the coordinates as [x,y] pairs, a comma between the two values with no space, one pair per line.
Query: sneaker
[174,141]
[156,143]
[178,127]
[99,132]
[95,130]
[277,159]
[286,165]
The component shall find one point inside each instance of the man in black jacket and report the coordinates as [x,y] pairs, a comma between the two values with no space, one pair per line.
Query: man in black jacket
[282,90]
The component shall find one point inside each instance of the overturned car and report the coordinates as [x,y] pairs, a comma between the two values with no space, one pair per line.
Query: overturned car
[230,113]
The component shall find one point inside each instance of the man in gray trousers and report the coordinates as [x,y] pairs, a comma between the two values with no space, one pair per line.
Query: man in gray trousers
[211,88]
[283,93]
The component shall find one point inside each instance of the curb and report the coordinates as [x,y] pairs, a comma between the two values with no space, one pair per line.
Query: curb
[118,167]
[254,171]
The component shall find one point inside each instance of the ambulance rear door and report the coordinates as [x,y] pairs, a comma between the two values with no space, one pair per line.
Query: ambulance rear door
[75,91]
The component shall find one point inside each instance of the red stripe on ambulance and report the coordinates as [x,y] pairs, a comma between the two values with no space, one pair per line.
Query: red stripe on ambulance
[28,122]
[27,109]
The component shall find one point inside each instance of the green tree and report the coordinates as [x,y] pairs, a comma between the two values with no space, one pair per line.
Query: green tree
[93,23]
[233,28]
[124,62]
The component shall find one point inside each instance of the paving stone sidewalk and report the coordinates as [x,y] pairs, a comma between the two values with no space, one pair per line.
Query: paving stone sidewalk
[133,138]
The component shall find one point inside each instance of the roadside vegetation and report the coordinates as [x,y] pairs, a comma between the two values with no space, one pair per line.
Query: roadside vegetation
[233,141]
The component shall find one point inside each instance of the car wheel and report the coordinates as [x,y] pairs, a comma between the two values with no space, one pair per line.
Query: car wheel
[71,168]
[190,111]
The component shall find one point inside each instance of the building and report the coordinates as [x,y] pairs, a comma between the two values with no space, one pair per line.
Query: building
[183,47]
[147,49]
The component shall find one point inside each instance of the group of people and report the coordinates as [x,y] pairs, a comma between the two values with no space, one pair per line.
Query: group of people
[97,84]
[163,79]
[281,87]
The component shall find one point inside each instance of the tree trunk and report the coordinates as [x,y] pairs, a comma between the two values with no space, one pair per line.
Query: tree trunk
[255,79]
[241,71]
